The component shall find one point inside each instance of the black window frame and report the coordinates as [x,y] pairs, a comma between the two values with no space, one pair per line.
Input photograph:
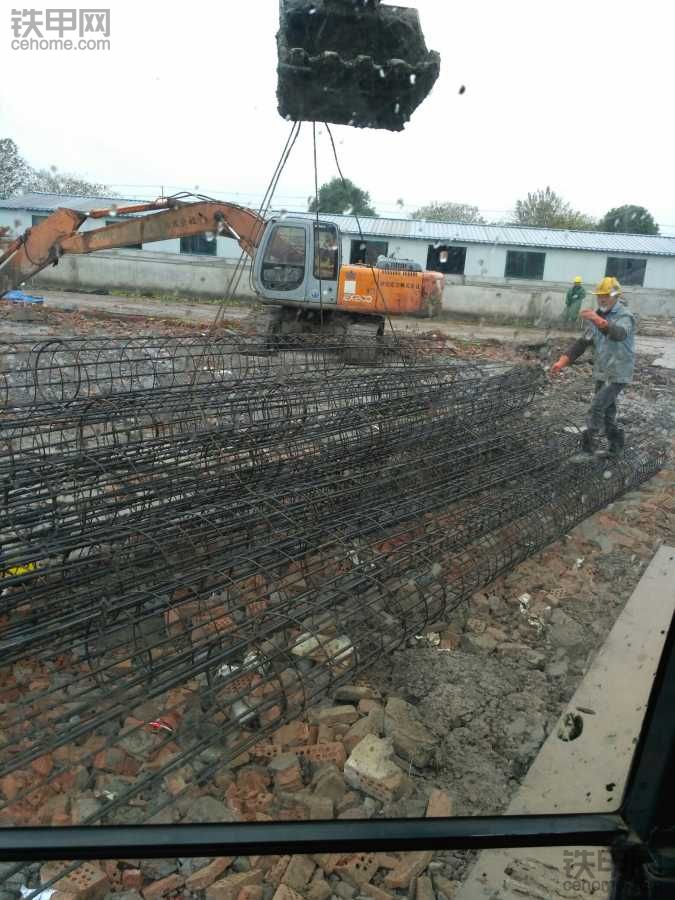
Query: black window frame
[630,270]
[367,256]
[201,242]
[521,264]
[454,265]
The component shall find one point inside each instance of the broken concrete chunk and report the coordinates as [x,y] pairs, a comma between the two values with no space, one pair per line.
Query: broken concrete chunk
[412,740]
[334,715]
[370,768]
[353,693]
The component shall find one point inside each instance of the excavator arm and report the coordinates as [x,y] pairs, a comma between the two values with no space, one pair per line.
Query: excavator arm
[58,234]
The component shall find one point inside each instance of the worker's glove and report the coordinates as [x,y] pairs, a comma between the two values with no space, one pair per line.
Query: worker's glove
[562,363]
[591,316]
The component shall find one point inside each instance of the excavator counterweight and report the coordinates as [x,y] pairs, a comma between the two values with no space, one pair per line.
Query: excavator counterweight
[352,62]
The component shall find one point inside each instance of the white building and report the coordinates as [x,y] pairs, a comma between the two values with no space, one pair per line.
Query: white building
[490,269]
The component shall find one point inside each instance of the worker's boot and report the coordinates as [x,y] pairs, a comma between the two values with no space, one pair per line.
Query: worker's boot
[615,436]
[589,441]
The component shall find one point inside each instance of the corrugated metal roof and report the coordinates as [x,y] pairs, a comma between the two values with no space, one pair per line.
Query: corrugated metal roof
[507,235]
[447,232]
[37,201]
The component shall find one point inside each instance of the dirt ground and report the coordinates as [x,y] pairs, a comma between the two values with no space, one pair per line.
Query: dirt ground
[510,659]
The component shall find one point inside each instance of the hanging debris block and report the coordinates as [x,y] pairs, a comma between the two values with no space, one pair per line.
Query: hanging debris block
[352,63]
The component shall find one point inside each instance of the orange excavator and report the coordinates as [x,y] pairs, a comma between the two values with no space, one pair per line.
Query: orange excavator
[296,262]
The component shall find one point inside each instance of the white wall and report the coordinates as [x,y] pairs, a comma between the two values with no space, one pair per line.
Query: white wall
[660,272]
[19,220]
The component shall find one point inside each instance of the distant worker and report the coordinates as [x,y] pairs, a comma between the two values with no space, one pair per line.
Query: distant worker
[611,329]
[575,297]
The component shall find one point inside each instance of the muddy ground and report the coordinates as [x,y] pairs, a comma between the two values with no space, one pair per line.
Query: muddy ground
[491,682]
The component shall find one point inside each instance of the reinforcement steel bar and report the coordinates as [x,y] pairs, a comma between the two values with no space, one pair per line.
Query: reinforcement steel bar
[226,574]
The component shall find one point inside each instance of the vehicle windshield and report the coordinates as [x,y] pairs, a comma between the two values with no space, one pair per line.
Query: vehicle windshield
[336,427]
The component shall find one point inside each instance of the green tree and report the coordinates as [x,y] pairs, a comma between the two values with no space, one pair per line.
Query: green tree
[449,212]
[55,182]
[340,197]
[629,219]
[14,170]
[17,175]
[547,209]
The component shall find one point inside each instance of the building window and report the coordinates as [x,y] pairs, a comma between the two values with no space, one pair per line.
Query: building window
[326,253]
[283,265]
[198,244]
[448,260]
[628,271]
[35,220]
[366,252]
[522,264]
[125,246]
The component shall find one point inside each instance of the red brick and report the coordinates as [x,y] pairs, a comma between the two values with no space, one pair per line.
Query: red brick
[11,785]
[163,887]
[203,878]
[370,890]
[252,892]
[253,781]
[358,869]
[87,882]
[367,705]
[440,805]
[278,870]
[283,892]
[330,752]
[424,889]
[132,879]
[412,865]
[229,888]
[43,765]
[293,734]
[299,872]
[335,715]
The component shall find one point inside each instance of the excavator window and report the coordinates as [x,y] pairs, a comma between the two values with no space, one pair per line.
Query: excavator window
[326,254]
[283,267]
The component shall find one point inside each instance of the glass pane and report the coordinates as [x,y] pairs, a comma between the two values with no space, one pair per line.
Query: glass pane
[366,252]
[628,271]
[520,264]
[263,558]
[199,244]
[449,260]
[283,267]
[326,254]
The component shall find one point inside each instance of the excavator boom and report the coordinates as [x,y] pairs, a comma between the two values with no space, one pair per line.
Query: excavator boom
[44,243]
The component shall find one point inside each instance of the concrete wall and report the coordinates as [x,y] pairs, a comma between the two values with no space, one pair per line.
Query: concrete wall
[535,301]
[141,270]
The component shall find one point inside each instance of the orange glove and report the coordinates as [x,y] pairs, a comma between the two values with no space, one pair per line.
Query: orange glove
[591,316]
[562,363]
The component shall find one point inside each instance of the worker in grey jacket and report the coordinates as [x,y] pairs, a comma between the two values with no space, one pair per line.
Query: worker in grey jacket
[611,330]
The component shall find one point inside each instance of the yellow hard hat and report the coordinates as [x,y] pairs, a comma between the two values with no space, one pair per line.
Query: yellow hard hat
[608,286]
[577,280]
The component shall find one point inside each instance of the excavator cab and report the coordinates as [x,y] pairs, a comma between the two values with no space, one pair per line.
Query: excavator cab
[298,263]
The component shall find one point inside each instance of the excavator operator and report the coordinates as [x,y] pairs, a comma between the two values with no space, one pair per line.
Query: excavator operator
[611,330]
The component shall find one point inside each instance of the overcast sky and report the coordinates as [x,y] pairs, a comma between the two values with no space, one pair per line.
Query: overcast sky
[578,95]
